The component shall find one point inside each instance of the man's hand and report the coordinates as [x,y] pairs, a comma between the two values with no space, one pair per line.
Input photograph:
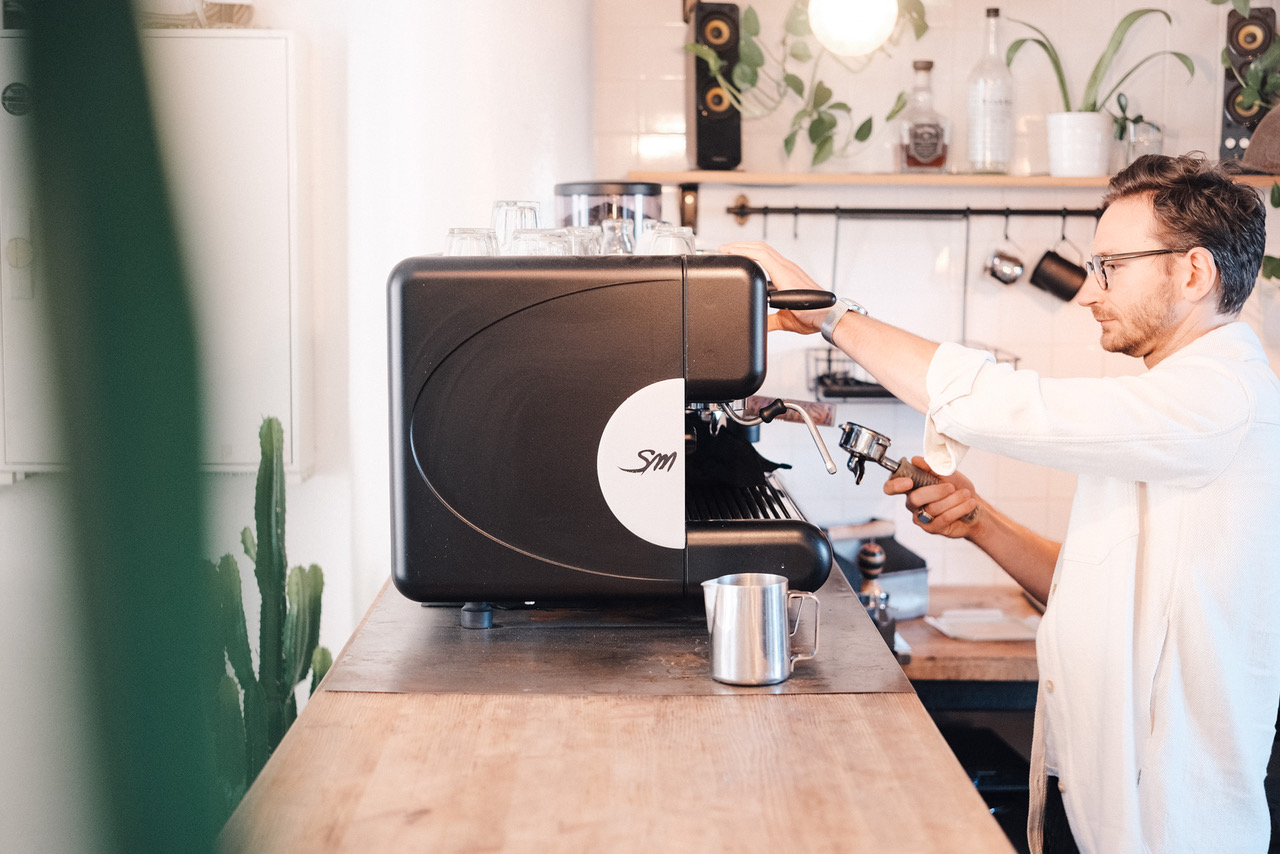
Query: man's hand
[944,504]
[785,274]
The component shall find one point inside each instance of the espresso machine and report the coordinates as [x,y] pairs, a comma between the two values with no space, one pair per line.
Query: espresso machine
[569,429]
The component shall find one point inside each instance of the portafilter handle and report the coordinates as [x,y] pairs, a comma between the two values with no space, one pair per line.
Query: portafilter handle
[864,444]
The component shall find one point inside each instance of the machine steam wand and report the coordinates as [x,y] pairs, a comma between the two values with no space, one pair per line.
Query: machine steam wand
[864,444]
[712,413]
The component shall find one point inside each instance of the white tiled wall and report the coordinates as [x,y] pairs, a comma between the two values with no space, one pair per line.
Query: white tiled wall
[925,276]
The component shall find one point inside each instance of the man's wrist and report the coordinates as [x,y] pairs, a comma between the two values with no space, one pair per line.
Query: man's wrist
[835,315]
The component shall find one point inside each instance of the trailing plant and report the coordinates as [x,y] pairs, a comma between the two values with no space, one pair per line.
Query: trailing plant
[288,635]
[1090,102]
[1260,83]
[766,77]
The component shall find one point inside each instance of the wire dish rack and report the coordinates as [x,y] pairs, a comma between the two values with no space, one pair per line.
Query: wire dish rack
[834,376]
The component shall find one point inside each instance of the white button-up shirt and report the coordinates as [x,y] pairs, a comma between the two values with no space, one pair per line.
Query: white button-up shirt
[1162,635]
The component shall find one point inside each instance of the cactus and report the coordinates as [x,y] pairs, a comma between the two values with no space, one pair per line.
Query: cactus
[288,639]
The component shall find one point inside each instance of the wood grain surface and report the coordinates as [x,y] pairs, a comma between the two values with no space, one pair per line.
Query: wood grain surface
[378,772]
[934,656]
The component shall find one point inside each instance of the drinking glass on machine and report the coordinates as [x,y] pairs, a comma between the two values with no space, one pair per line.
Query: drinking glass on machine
[471,241]
[538,241]
[585,239]
[618,237]
[509,216]
[672,240]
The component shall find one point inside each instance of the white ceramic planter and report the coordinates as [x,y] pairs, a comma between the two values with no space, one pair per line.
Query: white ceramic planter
[1079,144]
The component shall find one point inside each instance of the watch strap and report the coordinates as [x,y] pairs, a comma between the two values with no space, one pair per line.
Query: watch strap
[839,310]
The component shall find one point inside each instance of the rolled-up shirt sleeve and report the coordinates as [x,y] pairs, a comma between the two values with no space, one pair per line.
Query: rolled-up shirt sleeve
[1181,421]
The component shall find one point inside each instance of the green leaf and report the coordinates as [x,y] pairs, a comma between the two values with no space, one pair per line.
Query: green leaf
[798,19]
[707,55]
[863,131]
[1089,100]
[1225,58]
[1247,99]
[1275,194]
[801,51]
[1270,267]
[1181,57]
[1241,7]
[824,150]
[821,94]
[913,11]
[1054,59]
[744,77]
[898,106]
[794,83]
[841,106]
[822,126]
[750,22]
[749,52]
[1253,77]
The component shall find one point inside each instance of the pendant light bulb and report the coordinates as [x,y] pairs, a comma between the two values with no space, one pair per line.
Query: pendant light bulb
[852,27]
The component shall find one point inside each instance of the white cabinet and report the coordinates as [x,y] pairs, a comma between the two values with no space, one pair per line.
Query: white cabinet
[225,109]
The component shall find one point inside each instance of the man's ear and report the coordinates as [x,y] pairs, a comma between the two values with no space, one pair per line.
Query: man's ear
[1203,275]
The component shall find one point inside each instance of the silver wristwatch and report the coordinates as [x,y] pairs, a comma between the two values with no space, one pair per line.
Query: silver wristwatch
[842,307]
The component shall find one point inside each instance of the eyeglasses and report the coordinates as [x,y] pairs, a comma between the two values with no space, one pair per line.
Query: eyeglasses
[1097,264]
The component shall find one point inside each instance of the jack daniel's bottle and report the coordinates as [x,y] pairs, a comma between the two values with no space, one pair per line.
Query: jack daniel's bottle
[926,134]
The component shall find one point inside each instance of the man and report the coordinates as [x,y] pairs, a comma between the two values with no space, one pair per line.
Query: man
[1159,651]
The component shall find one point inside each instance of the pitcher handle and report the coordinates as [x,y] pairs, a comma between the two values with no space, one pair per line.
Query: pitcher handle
[802,595]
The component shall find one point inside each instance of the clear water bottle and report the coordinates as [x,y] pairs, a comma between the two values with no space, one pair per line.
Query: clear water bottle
[925,133]
[991,106]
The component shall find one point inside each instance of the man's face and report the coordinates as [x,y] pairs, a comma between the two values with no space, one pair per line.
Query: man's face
[1138,309]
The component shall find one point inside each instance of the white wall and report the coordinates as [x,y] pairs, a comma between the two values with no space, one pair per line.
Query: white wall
[910,272]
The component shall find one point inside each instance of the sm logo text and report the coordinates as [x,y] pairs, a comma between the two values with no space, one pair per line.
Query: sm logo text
[652,461]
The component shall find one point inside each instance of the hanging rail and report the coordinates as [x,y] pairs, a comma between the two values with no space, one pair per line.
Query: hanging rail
[742,211]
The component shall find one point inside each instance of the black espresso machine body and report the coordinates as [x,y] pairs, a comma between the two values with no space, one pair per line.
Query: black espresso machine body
[540,412]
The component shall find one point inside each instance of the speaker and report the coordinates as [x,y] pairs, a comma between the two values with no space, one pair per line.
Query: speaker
[1247,39]
[713,126]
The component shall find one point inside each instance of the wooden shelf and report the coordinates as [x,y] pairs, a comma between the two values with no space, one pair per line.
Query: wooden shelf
[942,181]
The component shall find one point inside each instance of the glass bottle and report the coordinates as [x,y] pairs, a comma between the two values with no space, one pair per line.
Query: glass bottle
[925,133]
[991,106]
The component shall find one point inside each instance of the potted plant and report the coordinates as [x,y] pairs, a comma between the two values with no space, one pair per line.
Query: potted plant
[1080,136]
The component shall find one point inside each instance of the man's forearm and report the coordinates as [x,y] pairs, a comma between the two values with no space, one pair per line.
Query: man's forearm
[1028,557]
[898,359]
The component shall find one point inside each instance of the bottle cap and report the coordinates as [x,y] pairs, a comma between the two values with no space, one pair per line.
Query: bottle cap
[993,13]
[922,64]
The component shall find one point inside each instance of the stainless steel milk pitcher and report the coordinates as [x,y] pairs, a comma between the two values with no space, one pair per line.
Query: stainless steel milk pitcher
[750,631]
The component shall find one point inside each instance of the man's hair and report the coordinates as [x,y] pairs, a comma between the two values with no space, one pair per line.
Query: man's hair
[1197,203]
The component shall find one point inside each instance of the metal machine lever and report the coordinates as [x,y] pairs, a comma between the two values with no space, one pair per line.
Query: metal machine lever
[772,411]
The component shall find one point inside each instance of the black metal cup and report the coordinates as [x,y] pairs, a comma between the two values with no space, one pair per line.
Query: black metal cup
[1058,276]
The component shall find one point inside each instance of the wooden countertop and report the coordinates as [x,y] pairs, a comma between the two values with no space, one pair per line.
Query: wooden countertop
[743,771]
[934,656]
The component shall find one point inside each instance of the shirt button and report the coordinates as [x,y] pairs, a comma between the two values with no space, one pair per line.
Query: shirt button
[1062,787]
[1048,685]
